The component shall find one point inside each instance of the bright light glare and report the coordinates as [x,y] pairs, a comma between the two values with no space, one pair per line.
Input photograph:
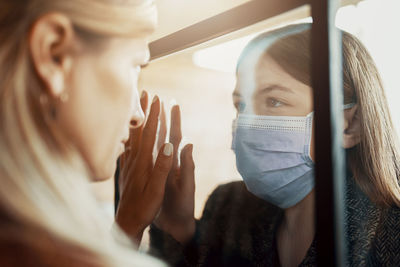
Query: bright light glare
[223,57]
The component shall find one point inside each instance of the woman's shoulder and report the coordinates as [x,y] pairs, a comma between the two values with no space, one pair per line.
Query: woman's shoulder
[230,189]
[235,192]
[234,198]
[235,216]
[385,245]
[373,231]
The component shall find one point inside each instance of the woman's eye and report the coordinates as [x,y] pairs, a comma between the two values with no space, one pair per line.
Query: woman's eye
[274,103]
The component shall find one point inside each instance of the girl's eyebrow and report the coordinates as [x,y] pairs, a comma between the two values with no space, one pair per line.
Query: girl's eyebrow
[276,87]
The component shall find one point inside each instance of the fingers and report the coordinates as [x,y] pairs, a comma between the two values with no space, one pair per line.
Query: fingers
[162,167]
[145,157]
[175,136]
[144,101]
[187,167]
[162,133]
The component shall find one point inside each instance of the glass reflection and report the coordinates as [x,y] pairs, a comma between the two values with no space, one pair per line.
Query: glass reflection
[267,219]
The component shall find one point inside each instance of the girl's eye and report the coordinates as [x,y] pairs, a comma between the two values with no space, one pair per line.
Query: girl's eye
[274,103]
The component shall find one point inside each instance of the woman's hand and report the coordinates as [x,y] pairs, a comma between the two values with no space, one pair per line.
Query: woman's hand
[177,212]
[142,183]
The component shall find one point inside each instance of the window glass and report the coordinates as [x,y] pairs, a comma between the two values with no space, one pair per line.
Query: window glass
[247,106]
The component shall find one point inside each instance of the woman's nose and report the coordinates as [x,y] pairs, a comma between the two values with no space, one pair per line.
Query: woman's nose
[137,118]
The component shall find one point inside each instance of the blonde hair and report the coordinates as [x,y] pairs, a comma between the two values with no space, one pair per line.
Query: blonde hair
[374,162]
[44,182]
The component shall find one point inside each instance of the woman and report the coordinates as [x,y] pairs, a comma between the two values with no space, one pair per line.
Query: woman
[68,97]
[268,220]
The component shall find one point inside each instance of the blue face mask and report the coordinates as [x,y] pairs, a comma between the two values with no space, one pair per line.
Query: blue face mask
[273,156]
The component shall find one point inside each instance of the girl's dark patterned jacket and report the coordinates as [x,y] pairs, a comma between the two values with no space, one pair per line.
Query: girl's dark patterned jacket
[238,229]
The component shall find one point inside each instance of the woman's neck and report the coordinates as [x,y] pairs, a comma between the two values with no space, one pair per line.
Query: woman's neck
[303,213]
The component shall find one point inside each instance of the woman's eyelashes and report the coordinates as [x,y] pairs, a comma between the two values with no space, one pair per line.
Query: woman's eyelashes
[274,103]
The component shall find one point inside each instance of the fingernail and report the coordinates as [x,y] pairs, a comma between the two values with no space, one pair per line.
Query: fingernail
[143,94]
[155,98]
[168,148]
[190,149]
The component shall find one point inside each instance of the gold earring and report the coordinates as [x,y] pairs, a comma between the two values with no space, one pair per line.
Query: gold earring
[58,84]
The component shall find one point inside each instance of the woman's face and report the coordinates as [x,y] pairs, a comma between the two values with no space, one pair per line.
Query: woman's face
[270,91]
[103,101]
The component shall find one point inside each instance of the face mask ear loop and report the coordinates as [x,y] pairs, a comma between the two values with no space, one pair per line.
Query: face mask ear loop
[307,152]
[234,127]
[311,114]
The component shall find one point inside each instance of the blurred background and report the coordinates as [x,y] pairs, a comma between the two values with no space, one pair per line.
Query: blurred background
[202,79]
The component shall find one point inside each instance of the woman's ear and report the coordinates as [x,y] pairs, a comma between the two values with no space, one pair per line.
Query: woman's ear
[352,127]
[51,43]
